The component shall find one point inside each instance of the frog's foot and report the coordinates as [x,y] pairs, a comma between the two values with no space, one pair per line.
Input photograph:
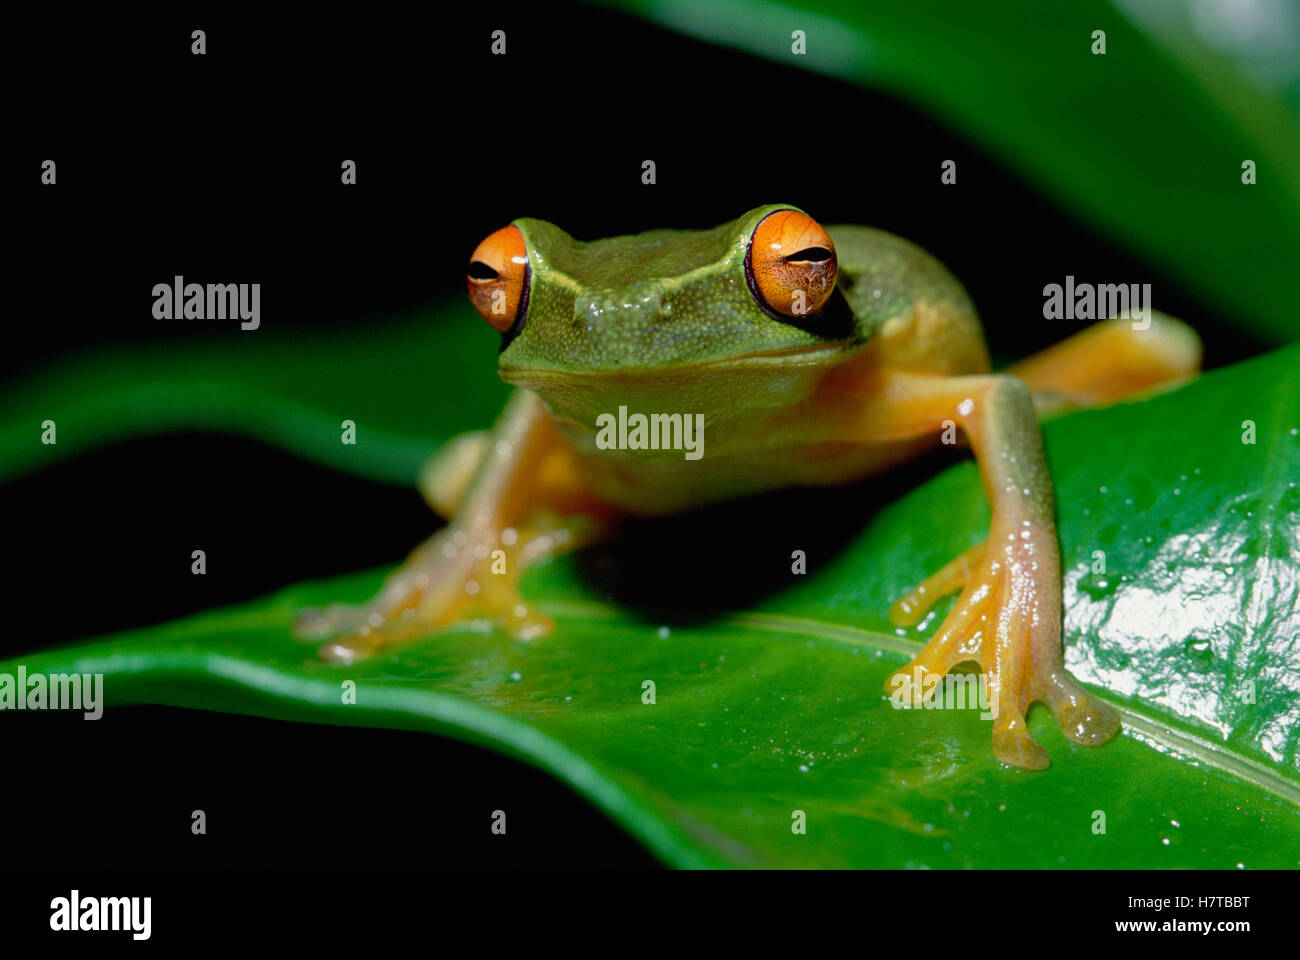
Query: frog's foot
[1007,619]
[909,609]
[452,576]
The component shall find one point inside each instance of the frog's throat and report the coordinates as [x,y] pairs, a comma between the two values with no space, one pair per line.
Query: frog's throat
[812,354]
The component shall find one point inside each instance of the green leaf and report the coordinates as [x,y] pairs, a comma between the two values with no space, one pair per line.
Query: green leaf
[780,708]
[389,378]
[1146,142]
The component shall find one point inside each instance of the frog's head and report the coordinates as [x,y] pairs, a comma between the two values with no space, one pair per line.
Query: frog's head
[660,302]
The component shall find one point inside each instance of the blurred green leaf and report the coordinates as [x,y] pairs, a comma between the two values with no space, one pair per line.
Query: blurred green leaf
[1145,142]
[408,385]
[780,708]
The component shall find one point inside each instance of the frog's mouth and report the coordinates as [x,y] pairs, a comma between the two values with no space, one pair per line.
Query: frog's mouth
[809,354]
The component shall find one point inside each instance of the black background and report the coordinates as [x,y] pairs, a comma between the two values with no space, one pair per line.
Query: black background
[226,166]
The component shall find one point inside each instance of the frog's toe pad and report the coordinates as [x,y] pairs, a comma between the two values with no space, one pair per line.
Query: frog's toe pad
[316,623]
[1013,745]
[1086,720]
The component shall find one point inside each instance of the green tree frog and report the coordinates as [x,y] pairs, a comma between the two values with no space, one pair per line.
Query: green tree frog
[816,356]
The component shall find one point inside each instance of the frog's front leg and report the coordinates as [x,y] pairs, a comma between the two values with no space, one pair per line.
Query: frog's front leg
[1008,615]
[513,497]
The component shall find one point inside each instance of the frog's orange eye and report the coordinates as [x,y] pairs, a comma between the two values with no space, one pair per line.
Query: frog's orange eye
[790,264]
[498,278]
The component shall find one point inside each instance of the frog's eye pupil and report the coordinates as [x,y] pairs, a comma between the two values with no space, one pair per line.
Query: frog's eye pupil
[795,285]
[498,278]
[813,254]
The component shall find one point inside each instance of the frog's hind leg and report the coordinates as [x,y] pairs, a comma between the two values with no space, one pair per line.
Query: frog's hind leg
[1109,361]
[514,497]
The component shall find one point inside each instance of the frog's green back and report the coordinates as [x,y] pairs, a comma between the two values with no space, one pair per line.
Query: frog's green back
[882,276]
